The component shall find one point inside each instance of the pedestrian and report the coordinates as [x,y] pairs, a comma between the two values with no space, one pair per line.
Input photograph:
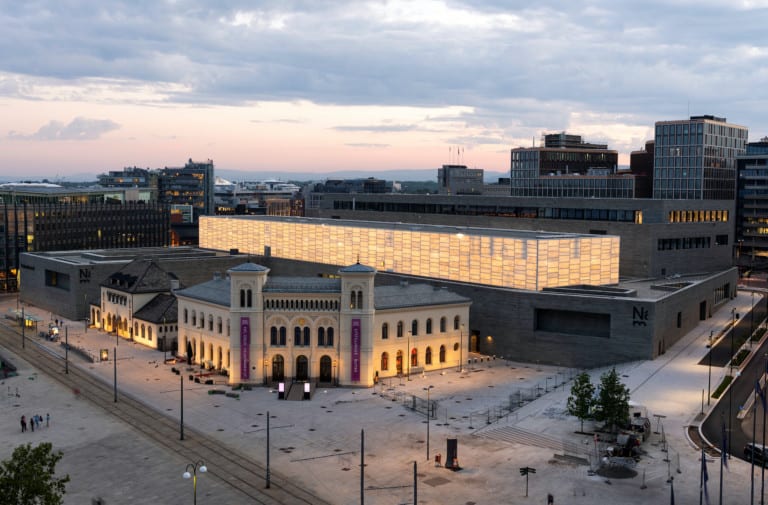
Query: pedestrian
[38,420]
[47,419]
[32,424]
[23,424]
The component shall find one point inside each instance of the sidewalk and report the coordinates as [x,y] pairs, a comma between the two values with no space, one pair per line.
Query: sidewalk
[317,442]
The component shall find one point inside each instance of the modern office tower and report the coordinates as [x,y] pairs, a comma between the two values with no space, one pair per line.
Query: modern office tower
[695,158]
[568,167]
[192,184]
[752,205]
[460,180]
[47,217]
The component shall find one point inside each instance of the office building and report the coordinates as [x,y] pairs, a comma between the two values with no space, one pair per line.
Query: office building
[459,180]
[752,205]
[695,158]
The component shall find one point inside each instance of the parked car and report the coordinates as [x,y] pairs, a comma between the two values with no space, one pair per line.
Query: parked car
[757,451]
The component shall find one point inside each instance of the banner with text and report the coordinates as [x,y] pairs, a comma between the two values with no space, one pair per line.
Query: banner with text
[355,350]
[245,347]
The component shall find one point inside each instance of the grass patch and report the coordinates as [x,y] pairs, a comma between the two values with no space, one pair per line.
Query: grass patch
[726,380]
[740,357]
[758,334]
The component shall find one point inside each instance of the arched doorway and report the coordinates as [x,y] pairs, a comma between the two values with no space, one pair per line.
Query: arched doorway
[325,369]
[302,368]
[399,363]
[473,343]
[278,368]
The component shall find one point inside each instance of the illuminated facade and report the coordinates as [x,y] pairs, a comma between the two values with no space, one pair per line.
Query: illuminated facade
[493,257]
[334,330]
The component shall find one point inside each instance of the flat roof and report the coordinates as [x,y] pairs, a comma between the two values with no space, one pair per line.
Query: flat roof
[424,228]
[102,256]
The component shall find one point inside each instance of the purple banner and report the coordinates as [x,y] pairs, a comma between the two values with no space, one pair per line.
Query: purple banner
[355,350]
[245,347]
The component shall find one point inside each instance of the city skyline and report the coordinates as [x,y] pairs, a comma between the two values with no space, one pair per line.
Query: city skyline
[331,86]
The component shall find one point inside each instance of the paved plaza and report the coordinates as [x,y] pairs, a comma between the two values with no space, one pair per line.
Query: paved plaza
[317,442]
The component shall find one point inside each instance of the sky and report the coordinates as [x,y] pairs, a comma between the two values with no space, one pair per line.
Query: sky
[323,85]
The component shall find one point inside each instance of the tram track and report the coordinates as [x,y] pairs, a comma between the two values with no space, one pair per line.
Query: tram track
[239,471]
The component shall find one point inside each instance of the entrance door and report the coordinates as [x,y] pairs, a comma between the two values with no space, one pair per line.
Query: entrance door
[399,363]
[325,369]
[302,368]
[278,369]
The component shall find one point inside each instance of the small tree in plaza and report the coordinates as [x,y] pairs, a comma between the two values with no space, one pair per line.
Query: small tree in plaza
[612,405]
[581,399]
[28,478]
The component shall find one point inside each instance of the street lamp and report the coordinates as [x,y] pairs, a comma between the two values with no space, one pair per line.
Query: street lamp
[181,409]
[709,378]
[429,409]
[23,326]
[66,350]
[187,475]
[409,355]
[461,345]
[752,320]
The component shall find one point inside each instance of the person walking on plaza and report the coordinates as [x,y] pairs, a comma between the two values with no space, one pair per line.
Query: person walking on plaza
[32,424]
[47,419]
[23,424]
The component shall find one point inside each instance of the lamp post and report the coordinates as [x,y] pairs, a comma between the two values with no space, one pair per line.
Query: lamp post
[409,355]
[709,378]
[115,362]
[66,350]
[181,408]
[752,320]
[23,327]
[195,467]
[429,408]
[165,349]
[461,346]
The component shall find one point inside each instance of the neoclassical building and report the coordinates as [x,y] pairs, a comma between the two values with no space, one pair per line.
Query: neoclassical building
[338,329]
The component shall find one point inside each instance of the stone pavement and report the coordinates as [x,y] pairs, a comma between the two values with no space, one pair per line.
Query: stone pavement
[318,442]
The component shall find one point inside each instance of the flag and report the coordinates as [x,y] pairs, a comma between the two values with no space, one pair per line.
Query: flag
[704,477]
[724,452]
[759,392]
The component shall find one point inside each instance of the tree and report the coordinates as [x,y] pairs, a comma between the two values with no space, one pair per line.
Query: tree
[581,399]
[28,477]
[612,401]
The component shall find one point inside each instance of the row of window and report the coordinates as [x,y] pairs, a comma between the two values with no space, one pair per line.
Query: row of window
[697,216]
[314,305]
[415,327]
[428,358]
[194,318]
[116,298]
[669,244]
[301,336]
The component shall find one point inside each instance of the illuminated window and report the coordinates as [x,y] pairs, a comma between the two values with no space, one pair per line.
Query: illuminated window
[384,361]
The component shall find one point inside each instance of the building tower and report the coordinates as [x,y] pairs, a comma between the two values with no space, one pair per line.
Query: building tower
[695,158]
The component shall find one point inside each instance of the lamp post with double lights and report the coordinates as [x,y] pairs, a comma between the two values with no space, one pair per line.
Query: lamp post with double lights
[195,467]
[429,412]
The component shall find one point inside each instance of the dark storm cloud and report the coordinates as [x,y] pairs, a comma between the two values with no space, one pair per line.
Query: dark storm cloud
[510,61]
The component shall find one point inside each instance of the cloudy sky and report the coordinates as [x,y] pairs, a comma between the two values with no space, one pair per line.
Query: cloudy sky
[323,85]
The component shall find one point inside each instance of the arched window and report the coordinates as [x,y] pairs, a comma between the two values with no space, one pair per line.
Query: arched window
[414,327]
[306,336]
[283,335]
[442,324]
[242,298]
[359,299]
[329,342]
[384,361]
[194,318]
[296,335]
[442,354]
[428,356]
[149,333]
[249,298]
[414,357]
[321,336]
[352,300]
[384,331]
[429,326]
[143,331]
[399,329]
[219,326]
[186,316]
[273,336]
[456,322]
[202,320]
[227,327]
[210,322]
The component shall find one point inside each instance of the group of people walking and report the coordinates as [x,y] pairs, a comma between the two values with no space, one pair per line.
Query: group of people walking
[35,421]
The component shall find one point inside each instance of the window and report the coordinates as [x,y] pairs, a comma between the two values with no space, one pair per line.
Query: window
[359,299]
[414,357]
[306,336]
[429,326]
[414,327]
[296,335]
[194,318]
[352,300]
[428,356]
[149,333]
[384,331]
[399,329]
[219,326]
[321,336]
[210,322]
[456,322]
[186,316]
[202,320]
[329,334]
[273,336]
[283,335]
[384,361]
[442,354]
[442,325]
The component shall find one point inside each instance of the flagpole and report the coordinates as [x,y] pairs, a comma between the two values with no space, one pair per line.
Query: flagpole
[701,479]
[752,458]
[762,477]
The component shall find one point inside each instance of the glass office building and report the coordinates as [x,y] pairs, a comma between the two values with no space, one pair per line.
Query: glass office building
[695,159]
[529,260]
